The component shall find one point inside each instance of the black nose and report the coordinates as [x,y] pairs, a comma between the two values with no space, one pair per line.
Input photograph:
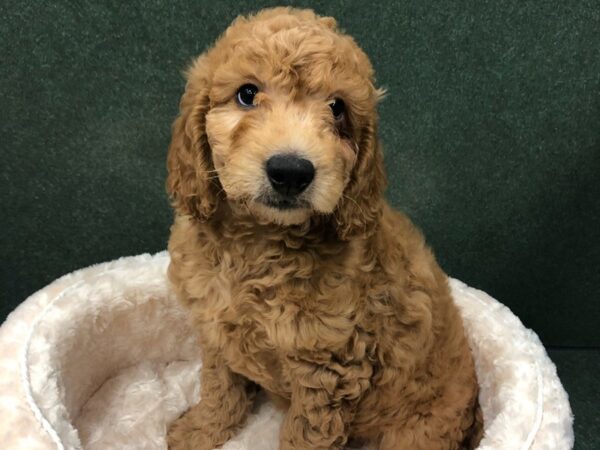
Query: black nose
[289,174]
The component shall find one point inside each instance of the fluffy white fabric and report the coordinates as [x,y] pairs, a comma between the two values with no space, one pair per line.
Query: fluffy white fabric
[103,359]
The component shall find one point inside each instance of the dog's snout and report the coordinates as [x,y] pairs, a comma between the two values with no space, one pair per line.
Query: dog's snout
[289,174]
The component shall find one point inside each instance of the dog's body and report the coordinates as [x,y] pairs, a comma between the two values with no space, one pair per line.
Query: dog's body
[340,311]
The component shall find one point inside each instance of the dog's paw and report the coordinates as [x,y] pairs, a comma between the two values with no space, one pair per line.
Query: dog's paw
[188,433]
[182,436]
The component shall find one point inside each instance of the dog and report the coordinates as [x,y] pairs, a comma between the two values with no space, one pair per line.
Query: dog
[297,275]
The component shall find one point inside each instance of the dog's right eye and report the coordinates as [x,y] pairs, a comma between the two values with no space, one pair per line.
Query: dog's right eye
[246,94]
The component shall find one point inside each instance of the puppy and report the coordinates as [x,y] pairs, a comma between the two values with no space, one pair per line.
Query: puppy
[297,275]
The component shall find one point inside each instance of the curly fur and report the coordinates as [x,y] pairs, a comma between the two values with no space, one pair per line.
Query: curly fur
[338,309]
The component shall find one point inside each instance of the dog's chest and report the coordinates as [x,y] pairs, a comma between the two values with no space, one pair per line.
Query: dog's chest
[250,352]
[264,317]
[249,332]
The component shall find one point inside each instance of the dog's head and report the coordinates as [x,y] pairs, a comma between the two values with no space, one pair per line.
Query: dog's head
[279,118]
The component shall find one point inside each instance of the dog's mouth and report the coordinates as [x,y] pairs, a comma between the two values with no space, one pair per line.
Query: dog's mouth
[284,203]
[280,209]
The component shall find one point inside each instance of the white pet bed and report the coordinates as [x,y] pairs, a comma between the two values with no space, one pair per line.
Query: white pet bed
[103,359]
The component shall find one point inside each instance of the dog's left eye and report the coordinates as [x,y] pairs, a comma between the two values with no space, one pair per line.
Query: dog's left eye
[246,94]
[337,108]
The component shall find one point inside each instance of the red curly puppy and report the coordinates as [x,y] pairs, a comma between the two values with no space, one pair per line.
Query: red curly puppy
[298,276]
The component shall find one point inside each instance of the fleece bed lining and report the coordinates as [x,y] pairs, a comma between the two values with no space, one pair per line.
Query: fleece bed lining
[104,358]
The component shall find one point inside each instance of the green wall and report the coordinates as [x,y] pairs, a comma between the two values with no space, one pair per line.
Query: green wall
[491,131]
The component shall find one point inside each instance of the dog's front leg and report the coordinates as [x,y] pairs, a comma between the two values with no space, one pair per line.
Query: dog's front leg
[225,399]
[313,423]
[319,413]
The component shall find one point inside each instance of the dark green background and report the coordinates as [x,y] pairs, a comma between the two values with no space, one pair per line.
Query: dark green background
[491,131]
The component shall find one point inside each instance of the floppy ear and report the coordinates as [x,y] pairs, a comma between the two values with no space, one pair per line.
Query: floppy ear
[191,181]
[360,206]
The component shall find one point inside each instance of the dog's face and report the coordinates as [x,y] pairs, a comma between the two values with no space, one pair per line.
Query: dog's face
[283,110]
[279,145]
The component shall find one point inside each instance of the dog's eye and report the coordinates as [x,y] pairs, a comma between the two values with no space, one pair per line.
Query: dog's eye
[337,108]
[245,95]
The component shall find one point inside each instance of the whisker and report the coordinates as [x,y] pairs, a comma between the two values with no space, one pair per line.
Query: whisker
[355,202]
[210,171]
[359,208]
[219,192]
